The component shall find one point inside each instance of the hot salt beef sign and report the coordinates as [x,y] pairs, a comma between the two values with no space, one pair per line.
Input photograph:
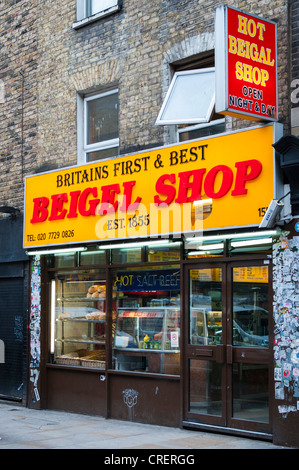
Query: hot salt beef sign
[148,281]
[245,65]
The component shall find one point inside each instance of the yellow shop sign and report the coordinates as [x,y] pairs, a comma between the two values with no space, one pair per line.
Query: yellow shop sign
[217,182]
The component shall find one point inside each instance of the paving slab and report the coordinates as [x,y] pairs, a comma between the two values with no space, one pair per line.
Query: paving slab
[24,428]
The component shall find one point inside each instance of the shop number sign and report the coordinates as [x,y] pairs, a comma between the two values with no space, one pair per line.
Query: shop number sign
[218,182]
[246,55]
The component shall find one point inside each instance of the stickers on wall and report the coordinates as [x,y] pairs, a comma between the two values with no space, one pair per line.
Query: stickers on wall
[35,312]
[286,318]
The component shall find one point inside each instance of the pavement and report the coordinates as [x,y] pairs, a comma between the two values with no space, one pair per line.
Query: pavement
[24,428]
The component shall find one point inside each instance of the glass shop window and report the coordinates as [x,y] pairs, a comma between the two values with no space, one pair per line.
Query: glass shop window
[78,318]
[147,333]
[126,255]
[147,253]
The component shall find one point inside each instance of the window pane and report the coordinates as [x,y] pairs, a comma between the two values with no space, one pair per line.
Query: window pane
[100,154]
[147,334]
[190,134]
[250,392]
[206,306]
[78,318]
[190,98]
[250,306]
[66,260]
[156,253]
[92,256]
[102,119]
[126,255]
[205,387]
[101,5]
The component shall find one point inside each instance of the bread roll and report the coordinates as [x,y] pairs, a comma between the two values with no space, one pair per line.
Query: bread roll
[63,316]
[96,316]
[93,289]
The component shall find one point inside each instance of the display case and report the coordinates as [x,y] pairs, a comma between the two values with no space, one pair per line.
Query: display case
[78,321]
[147,339]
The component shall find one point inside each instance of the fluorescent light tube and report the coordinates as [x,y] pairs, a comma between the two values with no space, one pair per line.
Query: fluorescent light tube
[139,244]
[194,253]
[260,234]
[261,241]
[213,246]
[55,251]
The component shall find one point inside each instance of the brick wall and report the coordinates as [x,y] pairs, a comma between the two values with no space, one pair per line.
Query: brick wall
[132,48]
[18,100]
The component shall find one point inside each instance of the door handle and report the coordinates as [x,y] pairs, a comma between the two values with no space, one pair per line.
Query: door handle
[204,352]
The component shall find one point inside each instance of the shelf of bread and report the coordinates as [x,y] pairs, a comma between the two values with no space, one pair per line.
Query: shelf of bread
[96,316]
[82,357]
[96,291]
[149,312]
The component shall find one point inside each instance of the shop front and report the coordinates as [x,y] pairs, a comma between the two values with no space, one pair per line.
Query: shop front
[156,288]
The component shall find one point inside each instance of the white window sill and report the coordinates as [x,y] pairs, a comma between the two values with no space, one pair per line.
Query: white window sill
[97,16]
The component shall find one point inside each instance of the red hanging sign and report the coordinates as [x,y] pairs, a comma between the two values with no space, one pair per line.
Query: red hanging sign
[246,55]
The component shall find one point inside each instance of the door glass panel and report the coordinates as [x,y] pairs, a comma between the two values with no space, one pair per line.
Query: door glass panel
[205,306]
[205,387]
[250,392]
[250,306]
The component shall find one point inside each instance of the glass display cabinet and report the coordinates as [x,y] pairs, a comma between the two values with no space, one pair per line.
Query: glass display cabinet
[147,339]
[147,329]
[78,319]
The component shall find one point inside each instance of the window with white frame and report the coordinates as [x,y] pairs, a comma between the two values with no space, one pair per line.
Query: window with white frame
[100,126]
[196,131]
[91,10]
[97,6]
[190,100]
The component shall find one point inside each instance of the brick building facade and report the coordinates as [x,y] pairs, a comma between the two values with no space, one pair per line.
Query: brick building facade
[135,49]
[52,60]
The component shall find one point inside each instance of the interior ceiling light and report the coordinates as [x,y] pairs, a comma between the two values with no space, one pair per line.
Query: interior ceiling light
[200,253]
[56,251]
[262,241]
[233,236]
[139,244]
[213,246]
